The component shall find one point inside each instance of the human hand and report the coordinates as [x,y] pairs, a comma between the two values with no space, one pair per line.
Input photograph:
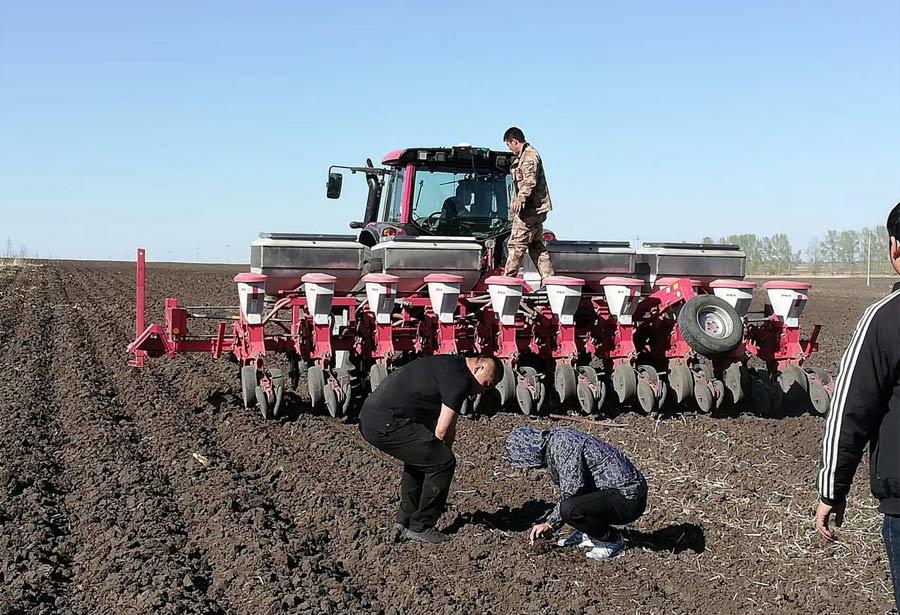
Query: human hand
[539,531]
[823,518]
[515,207]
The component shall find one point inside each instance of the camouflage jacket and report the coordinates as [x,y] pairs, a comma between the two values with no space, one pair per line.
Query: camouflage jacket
[581,463]
[530,182]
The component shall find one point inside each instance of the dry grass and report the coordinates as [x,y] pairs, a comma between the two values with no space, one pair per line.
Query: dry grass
[756,501]
[18,261]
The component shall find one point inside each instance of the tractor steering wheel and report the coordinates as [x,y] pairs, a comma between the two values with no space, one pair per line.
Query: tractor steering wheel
[431,221]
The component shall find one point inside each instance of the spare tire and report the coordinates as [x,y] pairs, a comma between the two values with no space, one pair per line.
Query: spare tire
[710,326]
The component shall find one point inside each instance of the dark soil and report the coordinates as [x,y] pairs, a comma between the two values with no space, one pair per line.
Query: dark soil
[154,491]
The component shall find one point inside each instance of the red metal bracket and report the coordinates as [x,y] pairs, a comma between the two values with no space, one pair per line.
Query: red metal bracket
[139,325]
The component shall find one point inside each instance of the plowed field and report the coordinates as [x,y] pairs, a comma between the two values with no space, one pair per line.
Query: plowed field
[154,491]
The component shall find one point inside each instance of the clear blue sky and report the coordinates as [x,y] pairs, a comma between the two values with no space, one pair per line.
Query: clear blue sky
[185,125]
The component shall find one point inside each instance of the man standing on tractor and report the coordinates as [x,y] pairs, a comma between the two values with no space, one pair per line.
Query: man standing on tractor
[529,206]
[412,417]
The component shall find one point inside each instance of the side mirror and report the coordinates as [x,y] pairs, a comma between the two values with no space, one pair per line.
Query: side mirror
[357,225]
[335,182]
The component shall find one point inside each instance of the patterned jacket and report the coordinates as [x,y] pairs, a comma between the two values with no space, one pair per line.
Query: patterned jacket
[530,183]
[580,463]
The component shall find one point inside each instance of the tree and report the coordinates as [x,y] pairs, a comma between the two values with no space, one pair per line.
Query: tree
[748,244]
[762,262]
[830,247]
[813,255]
[781,256]
[848,248]
[877,239]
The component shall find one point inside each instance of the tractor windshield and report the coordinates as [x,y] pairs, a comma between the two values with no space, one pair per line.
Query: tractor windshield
[461,202]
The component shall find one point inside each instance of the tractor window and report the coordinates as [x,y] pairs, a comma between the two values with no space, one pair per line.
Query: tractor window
[468,202]
[394,196]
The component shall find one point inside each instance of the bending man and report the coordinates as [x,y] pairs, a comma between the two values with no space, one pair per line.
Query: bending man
[412,417]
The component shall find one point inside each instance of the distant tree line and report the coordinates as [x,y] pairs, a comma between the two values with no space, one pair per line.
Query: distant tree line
[835,253]
[12,251]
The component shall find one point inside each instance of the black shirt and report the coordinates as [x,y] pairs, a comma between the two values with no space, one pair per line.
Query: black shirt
[417,390]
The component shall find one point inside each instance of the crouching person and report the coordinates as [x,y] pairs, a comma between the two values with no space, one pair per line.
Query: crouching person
[598,486]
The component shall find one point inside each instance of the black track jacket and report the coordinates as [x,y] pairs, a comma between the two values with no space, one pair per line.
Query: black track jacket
[865,409]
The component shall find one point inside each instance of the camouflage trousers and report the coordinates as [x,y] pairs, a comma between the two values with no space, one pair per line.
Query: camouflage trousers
[526,236]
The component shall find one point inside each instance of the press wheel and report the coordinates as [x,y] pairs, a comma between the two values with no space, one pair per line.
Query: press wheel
[793,375]
[681,382]
[377,374]
[315,382]
[331,400]
[624,380]
[588,376]
[587,403]
[506,388]
[648,389]
[523,396]
[737,382]
[703,394]
[818,394]
[760,397]
[262,401]
[565,382]
[248,385]
[277,378]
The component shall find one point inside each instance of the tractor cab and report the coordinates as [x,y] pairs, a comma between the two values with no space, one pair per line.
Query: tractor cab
[459,191]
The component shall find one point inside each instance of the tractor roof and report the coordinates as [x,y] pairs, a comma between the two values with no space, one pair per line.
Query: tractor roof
[457,154]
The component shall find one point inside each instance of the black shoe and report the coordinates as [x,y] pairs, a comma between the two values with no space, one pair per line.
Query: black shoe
[429,535]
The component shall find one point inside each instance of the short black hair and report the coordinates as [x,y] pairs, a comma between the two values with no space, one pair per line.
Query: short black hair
[514,133]
[893,222]
[498,368]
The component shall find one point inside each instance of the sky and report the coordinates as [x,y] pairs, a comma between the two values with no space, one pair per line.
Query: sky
[186,127]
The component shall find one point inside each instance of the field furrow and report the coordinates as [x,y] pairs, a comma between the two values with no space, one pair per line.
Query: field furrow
[155,491]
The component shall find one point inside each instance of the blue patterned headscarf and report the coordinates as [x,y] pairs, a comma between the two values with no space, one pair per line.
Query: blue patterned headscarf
[525,447]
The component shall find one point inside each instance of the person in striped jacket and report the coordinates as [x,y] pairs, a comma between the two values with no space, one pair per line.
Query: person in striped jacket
[865,409]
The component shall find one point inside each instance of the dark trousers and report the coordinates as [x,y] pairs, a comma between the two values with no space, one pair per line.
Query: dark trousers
[890,532]
[428,467]
[594,513]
